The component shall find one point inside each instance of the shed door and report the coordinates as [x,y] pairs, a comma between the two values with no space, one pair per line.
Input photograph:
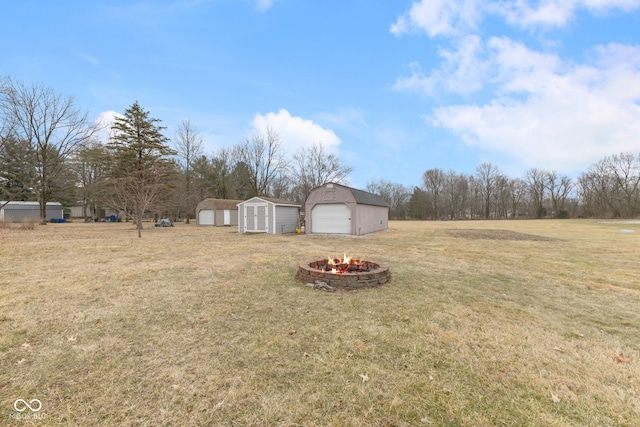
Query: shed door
[331,218]
[227,217]
[256,218]
[205,217]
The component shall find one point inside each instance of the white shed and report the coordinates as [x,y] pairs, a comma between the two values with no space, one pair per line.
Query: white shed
[268,215]
[29,211]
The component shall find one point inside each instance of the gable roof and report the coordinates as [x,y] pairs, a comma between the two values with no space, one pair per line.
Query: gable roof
[361,197]
[365,198]
[212,203]
[27,204]
[276,201]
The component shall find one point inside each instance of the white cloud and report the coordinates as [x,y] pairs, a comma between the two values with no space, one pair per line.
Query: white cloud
[543,111]
[452,18]
[438,17]
[104,121]
[296,132]
[462,70]
[550,13]
[553,114]
[263,5]
[555,13]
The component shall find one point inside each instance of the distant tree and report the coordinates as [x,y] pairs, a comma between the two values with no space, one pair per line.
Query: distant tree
[203,177]
[17,172]
[188,146]
[624,169]
[537,187]
[51,124]
[434,182]
[224,184]
[611,187]
[597,189]
[517,193]
[90,165]
[396,196]
[263,157]
[456,192]
[281,187]
[418,206]
[487,176]
[475,201]
[312,167]
[559,188]
[501,197]
[241,177]
[141,171]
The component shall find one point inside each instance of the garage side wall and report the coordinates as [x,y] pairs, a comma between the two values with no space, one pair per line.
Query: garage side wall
[30,211]
[286,219]
[22,213]
[370,219]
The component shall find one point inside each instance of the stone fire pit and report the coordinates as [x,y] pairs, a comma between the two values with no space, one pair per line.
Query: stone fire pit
[354,274]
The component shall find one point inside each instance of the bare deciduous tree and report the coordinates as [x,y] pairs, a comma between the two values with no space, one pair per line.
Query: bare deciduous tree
[434,183]
[517,193]
[625,171]
[50,123]
[536,181]
[90,165]
[188,145]
[487,175]
[559,187]
[264,159]
[396,196]
[313,166]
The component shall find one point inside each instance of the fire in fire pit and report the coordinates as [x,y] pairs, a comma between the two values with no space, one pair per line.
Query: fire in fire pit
[344,273]
[345,265]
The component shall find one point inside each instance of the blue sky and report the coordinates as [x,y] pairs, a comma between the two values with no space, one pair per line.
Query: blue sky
[394,87]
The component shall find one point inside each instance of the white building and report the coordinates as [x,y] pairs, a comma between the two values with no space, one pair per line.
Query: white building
[28,211]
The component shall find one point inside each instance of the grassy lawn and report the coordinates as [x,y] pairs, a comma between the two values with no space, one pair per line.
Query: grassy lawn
[485,323]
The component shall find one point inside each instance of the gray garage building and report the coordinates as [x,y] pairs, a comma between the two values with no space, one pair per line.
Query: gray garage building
[338,209]
[29,211]
[217,212]
[268,215]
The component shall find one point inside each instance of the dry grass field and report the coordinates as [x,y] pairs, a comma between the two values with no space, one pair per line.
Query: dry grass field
[485,323]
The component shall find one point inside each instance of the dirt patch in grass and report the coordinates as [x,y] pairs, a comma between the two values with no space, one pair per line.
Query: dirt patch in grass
[496,235]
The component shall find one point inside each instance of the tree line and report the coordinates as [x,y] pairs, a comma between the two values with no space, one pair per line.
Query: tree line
[609,188]
[50,151]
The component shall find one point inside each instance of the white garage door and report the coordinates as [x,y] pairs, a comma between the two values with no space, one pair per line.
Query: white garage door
[331,218]
[205,217]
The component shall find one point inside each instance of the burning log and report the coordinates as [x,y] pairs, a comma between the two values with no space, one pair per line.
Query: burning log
[344,265]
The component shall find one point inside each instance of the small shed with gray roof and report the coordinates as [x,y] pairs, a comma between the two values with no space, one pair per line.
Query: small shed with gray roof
[217,212]
[268,215]
[338,209]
